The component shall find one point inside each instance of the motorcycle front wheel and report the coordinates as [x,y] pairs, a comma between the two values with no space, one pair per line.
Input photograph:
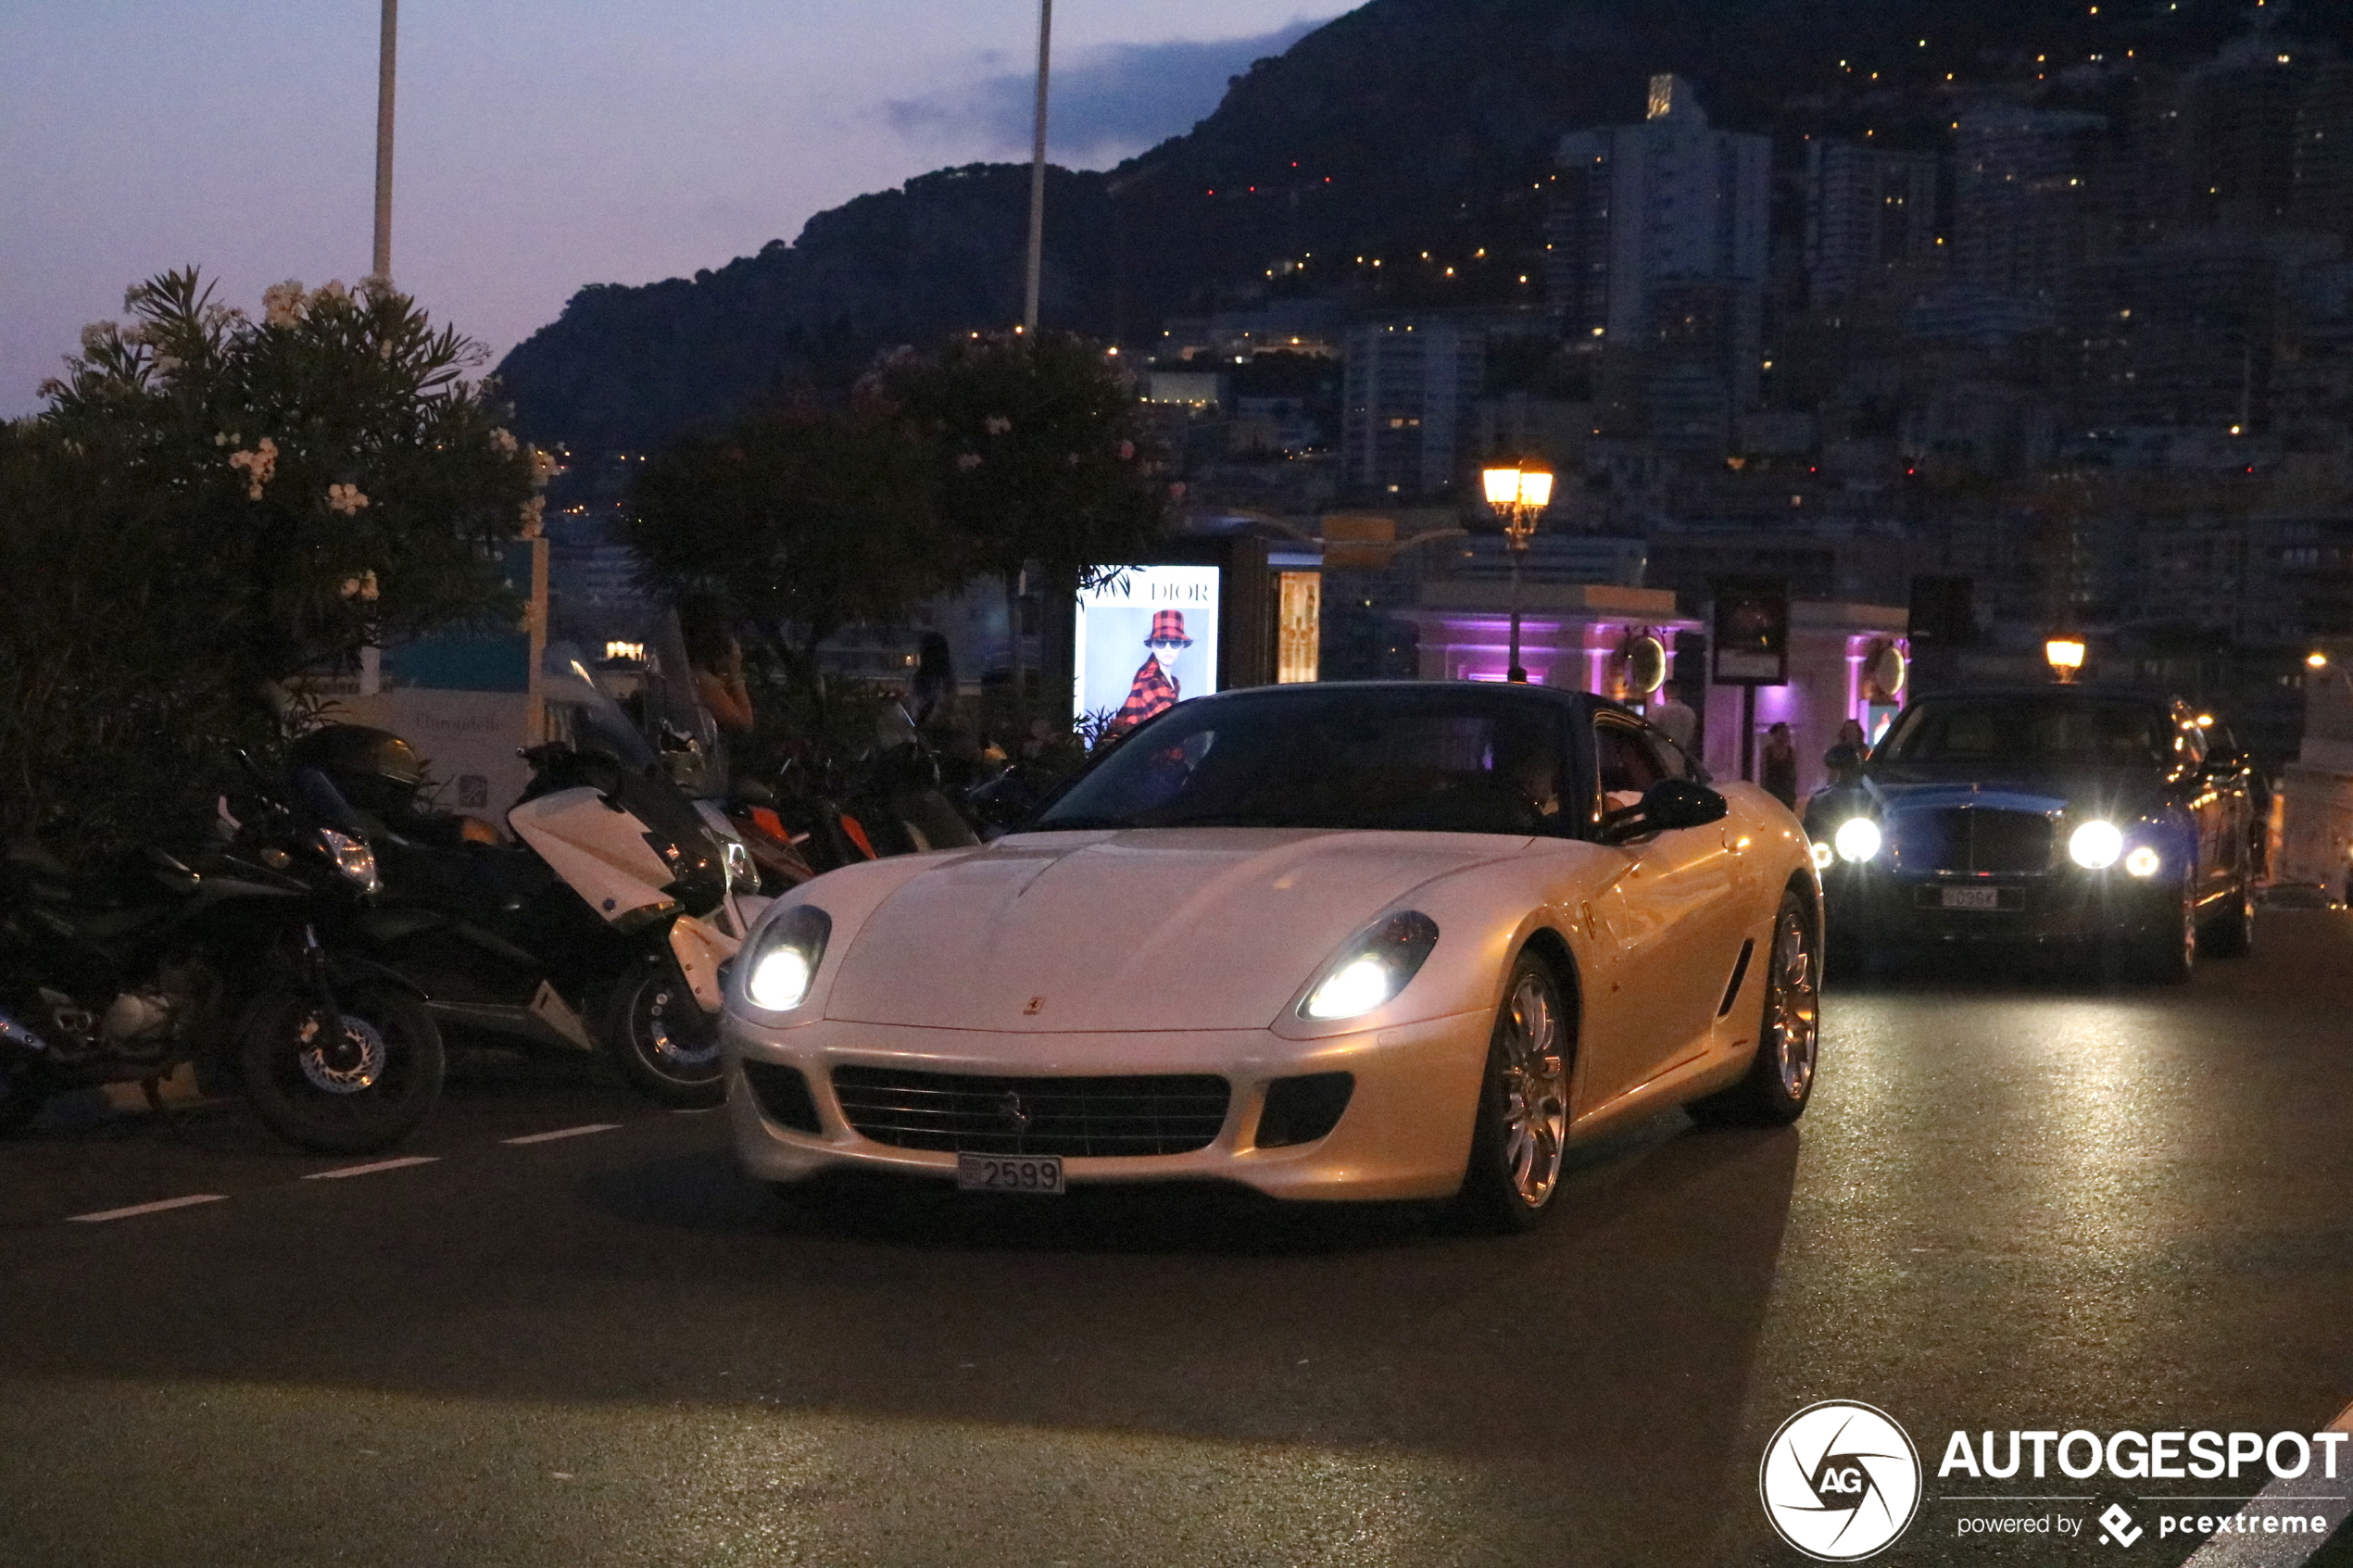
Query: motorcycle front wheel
[662,1037]
[352,1083]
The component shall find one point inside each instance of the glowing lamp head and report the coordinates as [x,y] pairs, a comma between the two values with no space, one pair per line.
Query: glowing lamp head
[2096,845]
[1502,486]
[1517,484]
[2064,655]
[2316,659]
[1857,840]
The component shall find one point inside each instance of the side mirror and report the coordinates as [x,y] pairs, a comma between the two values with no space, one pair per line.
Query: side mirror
[1667,805]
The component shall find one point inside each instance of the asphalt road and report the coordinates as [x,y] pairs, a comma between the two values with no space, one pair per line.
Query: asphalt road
[2019,1201]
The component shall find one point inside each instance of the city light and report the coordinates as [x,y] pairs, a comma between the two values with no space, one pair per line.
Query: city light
[2064,655]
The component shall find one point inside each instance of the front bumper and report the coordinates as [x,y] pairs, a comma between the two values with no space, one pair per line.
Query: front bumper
[1872,907]
[1405,1133]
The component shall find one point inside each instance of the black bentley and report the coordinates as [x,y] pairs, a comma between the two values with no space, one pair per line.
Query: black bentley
[2047,814]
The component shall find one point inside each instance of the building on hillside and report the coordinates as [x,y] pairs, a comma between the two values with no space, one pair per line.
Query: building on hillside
[1407,405]
[2020,199]
[1867,210]
[1659,237]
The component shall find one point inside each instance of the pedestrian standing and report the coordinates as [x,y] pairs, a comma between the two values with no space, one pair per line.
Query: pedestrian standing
[1776,766]
[1671,717]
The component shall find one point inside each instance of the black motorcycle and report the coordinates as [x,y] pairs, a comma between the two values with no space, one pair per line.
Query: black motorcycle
[124,975]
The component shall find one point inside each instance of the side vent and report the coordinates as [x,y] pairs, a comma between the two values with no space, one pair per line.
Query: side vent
[1740,973]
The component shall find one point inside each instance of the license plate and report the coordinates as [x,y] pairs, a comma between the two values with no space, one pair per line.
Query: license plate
[1973,898]
[1010,1173]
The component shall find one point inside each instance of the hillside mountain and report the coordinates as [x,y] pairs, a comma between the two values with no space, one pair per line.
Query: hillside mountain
[1404,126]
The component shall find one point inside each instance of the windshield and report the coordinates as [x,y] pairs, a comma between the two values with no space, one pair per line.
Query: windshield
[2030,732]
[1442,759]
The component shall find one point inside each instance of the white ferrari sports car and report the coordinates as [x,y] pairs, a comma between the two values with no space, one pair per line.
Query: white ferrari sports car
[1375,941]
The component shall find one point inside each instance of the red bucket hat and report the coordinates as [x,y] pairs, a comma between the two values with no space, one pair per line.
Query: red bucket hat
[1170,624]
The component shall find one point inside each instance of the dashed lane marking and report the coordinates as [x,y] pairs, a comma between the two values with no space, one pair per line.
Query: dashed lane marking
[370,1169]
[103,1215]
[565,1133]
[2307,1494]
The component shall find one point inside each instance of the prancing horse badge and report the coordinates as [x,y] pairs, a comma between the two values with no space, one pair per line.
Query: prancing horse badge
[1034,1003]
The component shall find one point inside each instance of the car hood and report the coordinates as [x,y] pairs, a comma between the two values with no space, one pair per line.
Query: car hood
[2081,790]
[1193,928]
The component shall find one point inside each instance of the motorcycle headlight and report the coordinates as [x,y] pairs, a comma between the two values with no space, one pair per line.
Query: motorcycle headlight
[1857,839]
[2096,845]
[354,860]
[783,958]
[1373,969]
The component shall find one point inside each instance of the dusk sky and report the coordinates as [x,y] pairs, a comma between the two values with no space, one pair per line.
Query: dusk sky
[541,145]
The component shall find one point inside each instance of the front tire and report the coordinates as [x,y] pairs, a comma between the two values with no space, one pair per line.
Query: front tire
[2169,955]
[666,1045]
[1522,1131]
[2232,933]
[350,1085]
[1780,1079]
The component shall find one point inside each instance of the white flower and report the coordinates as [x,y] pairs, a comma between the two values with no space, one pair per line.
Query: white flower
[332,291]
[282,303]
[967,461]
[998,424]
[97,336]
[345,498]
[502,443]
[375,286]
[50,387]
[166,364]
[363,586]
[131,299]
[261,465]
[534,511]
[137,332]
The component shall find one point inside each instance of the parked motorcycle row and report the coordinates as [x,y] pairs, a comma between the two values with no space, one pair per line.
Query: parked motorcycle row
[312,955]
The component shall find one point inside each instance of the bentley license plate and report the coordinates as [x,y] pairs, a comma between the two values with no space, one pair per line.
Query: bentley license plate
[1973,898]
[1010,1173]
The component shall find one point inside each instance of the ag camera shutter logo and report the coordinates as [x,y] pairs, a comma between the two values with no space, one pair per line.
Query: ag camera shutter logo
[1839,1481]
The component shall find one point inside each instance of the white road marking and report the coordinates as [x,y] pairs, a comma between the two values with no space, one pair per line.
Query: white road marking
[341,1171]
[566,1133]
[105,1214]
[2308,1493]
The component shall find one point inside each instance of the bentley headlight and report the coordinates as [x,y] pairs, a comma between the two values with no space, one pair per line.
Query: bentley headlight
[1373,969]
[355,860]
[2096,845]
[1857,839]
[784,959]
[2143,861]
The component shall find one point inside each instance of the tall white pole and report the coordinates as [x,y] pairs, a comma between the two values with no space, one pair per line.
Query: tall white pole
[382,266]
[1036,170]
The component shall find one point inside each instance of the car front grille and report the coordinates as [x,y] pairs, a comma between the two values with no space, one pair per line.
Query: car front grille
[1078,1118]
[1977,839]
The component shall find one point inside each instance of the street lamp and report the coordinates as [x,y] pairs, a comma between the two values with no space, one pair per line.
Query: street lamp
[2065,654]
[1519,491]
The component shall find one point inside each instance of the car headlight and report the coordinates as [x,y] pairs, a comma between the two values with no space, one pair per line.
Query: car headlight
[783,958]
[354,860]
[1823,854]
[1373,969]
[2096,845]
[1857,839]
[2143,861]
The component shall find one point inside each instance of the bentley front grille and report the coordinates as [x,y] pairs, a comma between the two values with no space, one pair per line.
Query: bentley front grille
[1977,839]
[1078,1118]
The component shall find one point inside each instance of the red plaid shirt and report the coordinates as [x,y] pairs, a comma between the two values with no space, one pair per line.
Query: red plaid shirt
[1152,692]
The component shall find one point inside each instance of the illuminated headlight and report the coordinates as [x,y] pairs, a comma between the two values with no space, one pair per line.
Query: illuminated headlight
[1823,855]
[2096,845]
[2143,861]
[1373,969]
[355,860]
[1857,839]
[783,958]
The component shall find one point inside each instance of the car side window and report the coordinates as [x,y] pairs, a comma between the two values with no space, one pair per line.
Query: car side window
[1627,765]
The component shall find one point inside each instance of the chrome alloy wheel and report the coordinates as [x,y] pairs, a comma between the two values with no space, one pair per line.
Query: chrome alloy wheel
[1535,1085]
[695,1048]
[1794,1006]
[340,1062]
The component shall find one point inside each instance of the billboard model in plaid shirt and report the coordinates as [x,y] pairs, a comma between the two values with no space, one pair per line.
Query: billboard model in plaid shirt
[1154,690]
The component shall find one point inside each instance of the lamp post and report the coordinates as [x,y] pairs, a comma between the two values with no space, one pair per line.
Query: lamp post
[1038,175]
[388,32]
[2064,653]
[1519,491]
